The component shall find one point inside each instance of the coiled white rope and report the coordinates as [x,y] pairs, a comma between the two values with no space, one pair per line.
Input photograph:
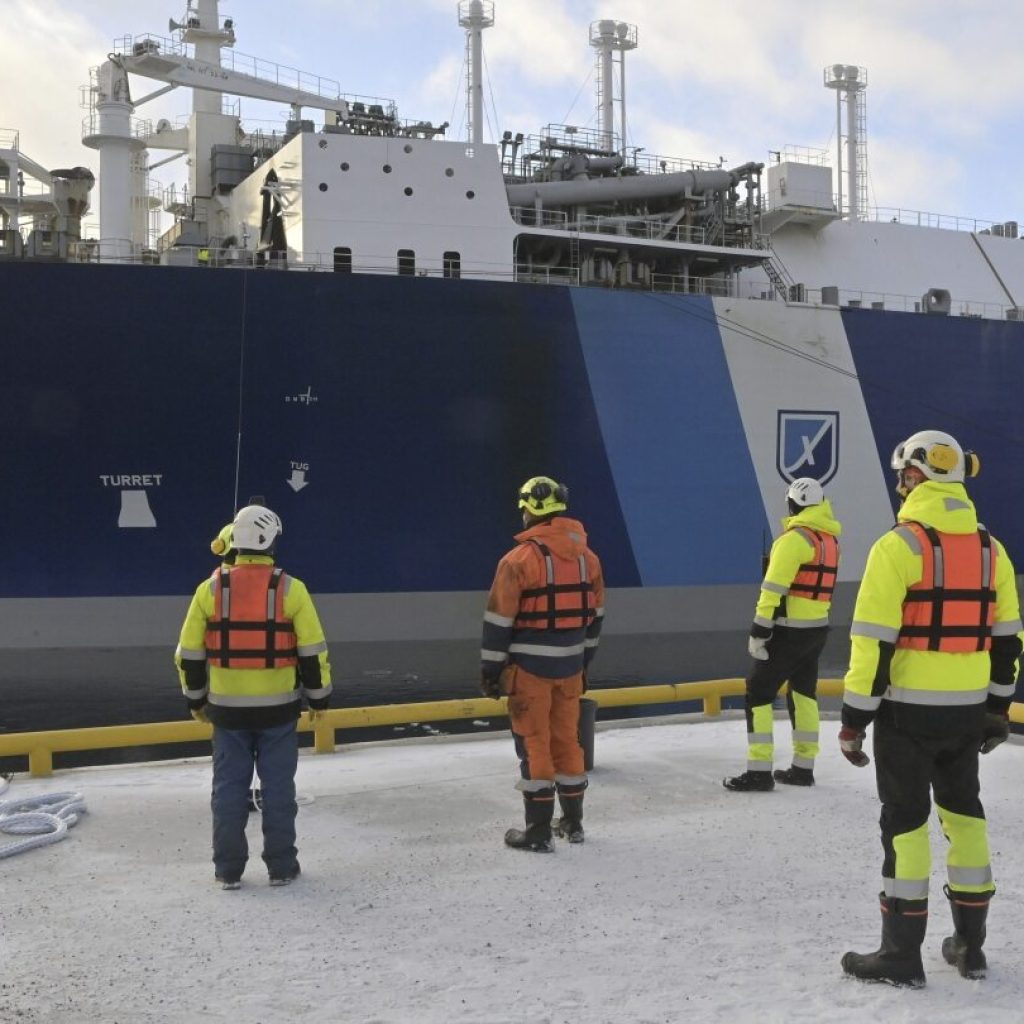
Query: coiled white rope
[44,819]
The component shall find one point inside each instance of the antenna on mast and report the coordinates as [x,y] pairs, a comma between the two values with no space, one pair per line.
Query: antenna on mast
[474,17]
[850,83]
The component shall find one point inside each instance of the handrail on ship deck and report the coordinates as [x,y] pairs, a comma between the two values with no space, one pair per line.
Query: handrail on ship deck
[40,747]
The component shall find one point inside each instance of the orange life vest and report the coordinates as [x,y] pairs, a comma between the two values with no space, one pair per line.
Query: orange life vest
[953,606]
[248,628]
[565,601]
[816,580]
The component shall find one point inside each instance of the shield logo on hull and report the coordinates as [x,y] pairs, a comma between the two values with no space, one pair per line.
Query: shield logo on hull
[807,444]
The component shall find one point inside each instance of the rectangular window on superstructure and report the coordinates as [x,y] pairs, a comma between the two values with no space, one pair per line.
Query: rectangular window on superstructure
[406,262]
[452,264]
[342,259]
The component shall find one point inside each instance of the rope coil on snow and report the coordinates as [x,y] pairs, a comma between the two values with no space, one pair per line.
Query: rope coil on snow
[44,819]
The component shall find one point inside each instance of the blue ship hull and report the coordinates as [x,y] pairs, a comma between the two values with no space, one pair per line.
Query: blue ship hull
[141,405]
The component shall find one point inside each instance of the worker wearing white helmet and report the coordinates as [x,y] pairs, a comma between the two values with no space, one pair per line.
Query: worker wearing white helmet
[787,637]
[251,650]
[933,663]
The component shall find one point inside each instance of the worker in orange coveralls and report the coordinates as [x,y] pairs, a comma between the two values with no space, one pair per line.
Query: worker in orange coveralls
[541,630]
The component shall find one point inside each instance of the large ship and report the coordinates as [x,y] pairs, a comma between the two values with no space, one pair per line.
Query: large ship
[383,331]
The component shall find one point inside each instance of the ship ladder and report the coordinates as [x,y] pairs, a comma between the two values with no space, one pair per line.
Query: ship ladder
[781,280]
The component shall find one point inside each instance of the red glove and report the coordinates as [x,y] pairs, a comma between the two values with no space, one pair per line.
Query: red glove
[852,742]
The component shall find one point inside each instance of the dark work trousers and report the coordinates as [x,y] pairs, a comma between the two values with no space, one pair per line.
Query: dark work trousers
[274,753]
[909,767]
[792,655]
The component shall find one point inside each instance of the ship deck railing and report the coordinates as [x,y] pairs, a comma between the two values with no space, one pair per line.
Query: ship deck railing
[724,286]
[974,309]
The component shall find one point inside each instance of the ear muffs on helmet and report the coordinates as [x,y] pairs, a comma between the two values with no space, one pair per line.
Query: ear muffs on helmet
[942,457]
[972,465]
[542,496]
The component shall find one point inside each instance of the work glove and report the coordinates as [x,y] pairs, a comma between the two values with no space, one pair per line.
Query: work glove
[490,686]
[315,715]
[851,743]
[199,714]
[758,647]
[997,730]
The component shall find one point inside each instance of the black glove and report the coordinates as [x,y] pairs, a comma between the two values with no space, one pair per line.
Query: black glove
[997,730]
[490,686]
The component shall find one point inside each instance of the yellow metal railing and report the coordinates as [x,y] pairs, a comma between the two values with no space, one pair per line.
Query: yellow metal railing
[40,747]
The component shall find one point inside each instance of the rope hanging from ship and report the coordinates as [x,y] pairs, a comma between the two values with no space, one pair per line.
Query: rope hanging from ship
[43,819]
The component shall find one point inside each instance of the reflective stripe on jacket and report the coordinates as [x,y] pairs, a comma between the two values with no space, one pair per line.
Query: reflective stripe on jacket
[952,607]
[799,580]
[255,697]
[927,680]
[248,628]
[546,605]
[565,600]
[816,579]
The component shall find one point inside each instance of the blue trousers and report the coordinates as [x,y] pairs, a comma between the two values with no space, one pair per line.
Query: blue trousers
[274,753]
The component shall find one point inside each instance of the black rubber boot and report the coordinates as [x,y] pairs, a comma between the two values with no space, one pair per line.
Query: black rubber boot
[536,837]
[963,948]
[570,824]
[750,782]
[794,776]
[898,960]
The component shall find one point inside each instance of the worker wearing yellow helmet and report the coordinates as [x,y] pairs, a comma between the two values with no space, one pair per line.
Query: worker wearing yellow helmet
[540,632]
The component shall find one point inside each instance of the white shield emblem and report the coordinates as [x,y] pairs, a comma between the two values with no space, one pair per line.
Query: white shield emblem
[807,445]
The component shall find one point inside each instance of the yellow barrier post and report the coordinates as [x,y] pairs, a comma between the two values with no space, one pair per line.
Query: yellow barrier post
[39,747]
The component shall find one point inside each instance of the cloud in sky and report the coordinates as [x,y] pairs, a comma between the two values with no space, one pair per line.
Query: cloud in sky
[714,80]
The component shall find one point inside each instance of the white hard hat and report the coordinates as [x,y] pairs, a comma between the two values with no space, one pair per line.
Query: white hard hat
[255,529]
[937,455]
[805,491]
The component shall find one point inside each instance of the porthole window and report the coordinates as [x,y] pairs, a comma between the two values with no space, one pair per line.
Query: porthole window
[449,172]
[344,165]
[408,190]
[407,148]
[323,186]
[322,143]
[387,168]
[471,194]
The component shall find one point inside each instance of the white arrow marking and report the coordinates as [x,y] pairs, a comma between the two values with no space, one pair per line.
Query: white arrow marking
[298,480]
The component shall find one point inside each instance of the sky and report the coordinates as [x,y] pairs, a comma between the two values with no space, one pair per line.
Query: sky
[707,81]
[686,903]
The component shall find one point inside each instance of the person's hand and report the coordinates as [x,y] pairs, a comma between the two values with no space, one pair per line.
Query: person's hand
[851,742]
[315,715]
[490,686]
[996,731]
[758,647]
[199,714]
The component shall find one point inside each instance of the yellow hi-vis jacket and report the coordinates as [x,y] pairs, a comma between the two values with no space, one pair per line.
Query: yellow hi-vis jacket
[922,680]
[254,697]
[790,552]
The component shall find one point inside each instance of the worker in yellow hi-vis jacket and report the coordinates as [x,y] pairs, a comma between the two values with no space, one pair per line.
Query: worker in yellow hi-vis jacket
[787,637]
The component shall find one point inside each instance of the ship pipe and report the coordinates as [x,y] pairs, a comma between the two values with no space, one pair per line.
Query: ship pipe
[606,190]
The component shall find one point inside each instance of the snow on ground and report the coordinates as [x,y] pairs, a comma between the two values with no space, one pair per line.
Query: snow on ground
[686,903]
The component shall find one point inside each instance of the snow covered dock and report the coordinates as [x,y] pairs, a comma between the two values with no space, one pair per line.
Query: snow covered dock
[686,903]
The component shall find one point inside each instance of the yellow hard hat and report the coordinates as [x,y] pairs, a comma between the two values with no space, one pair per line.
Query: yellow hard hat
[542,496]
[221,544]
